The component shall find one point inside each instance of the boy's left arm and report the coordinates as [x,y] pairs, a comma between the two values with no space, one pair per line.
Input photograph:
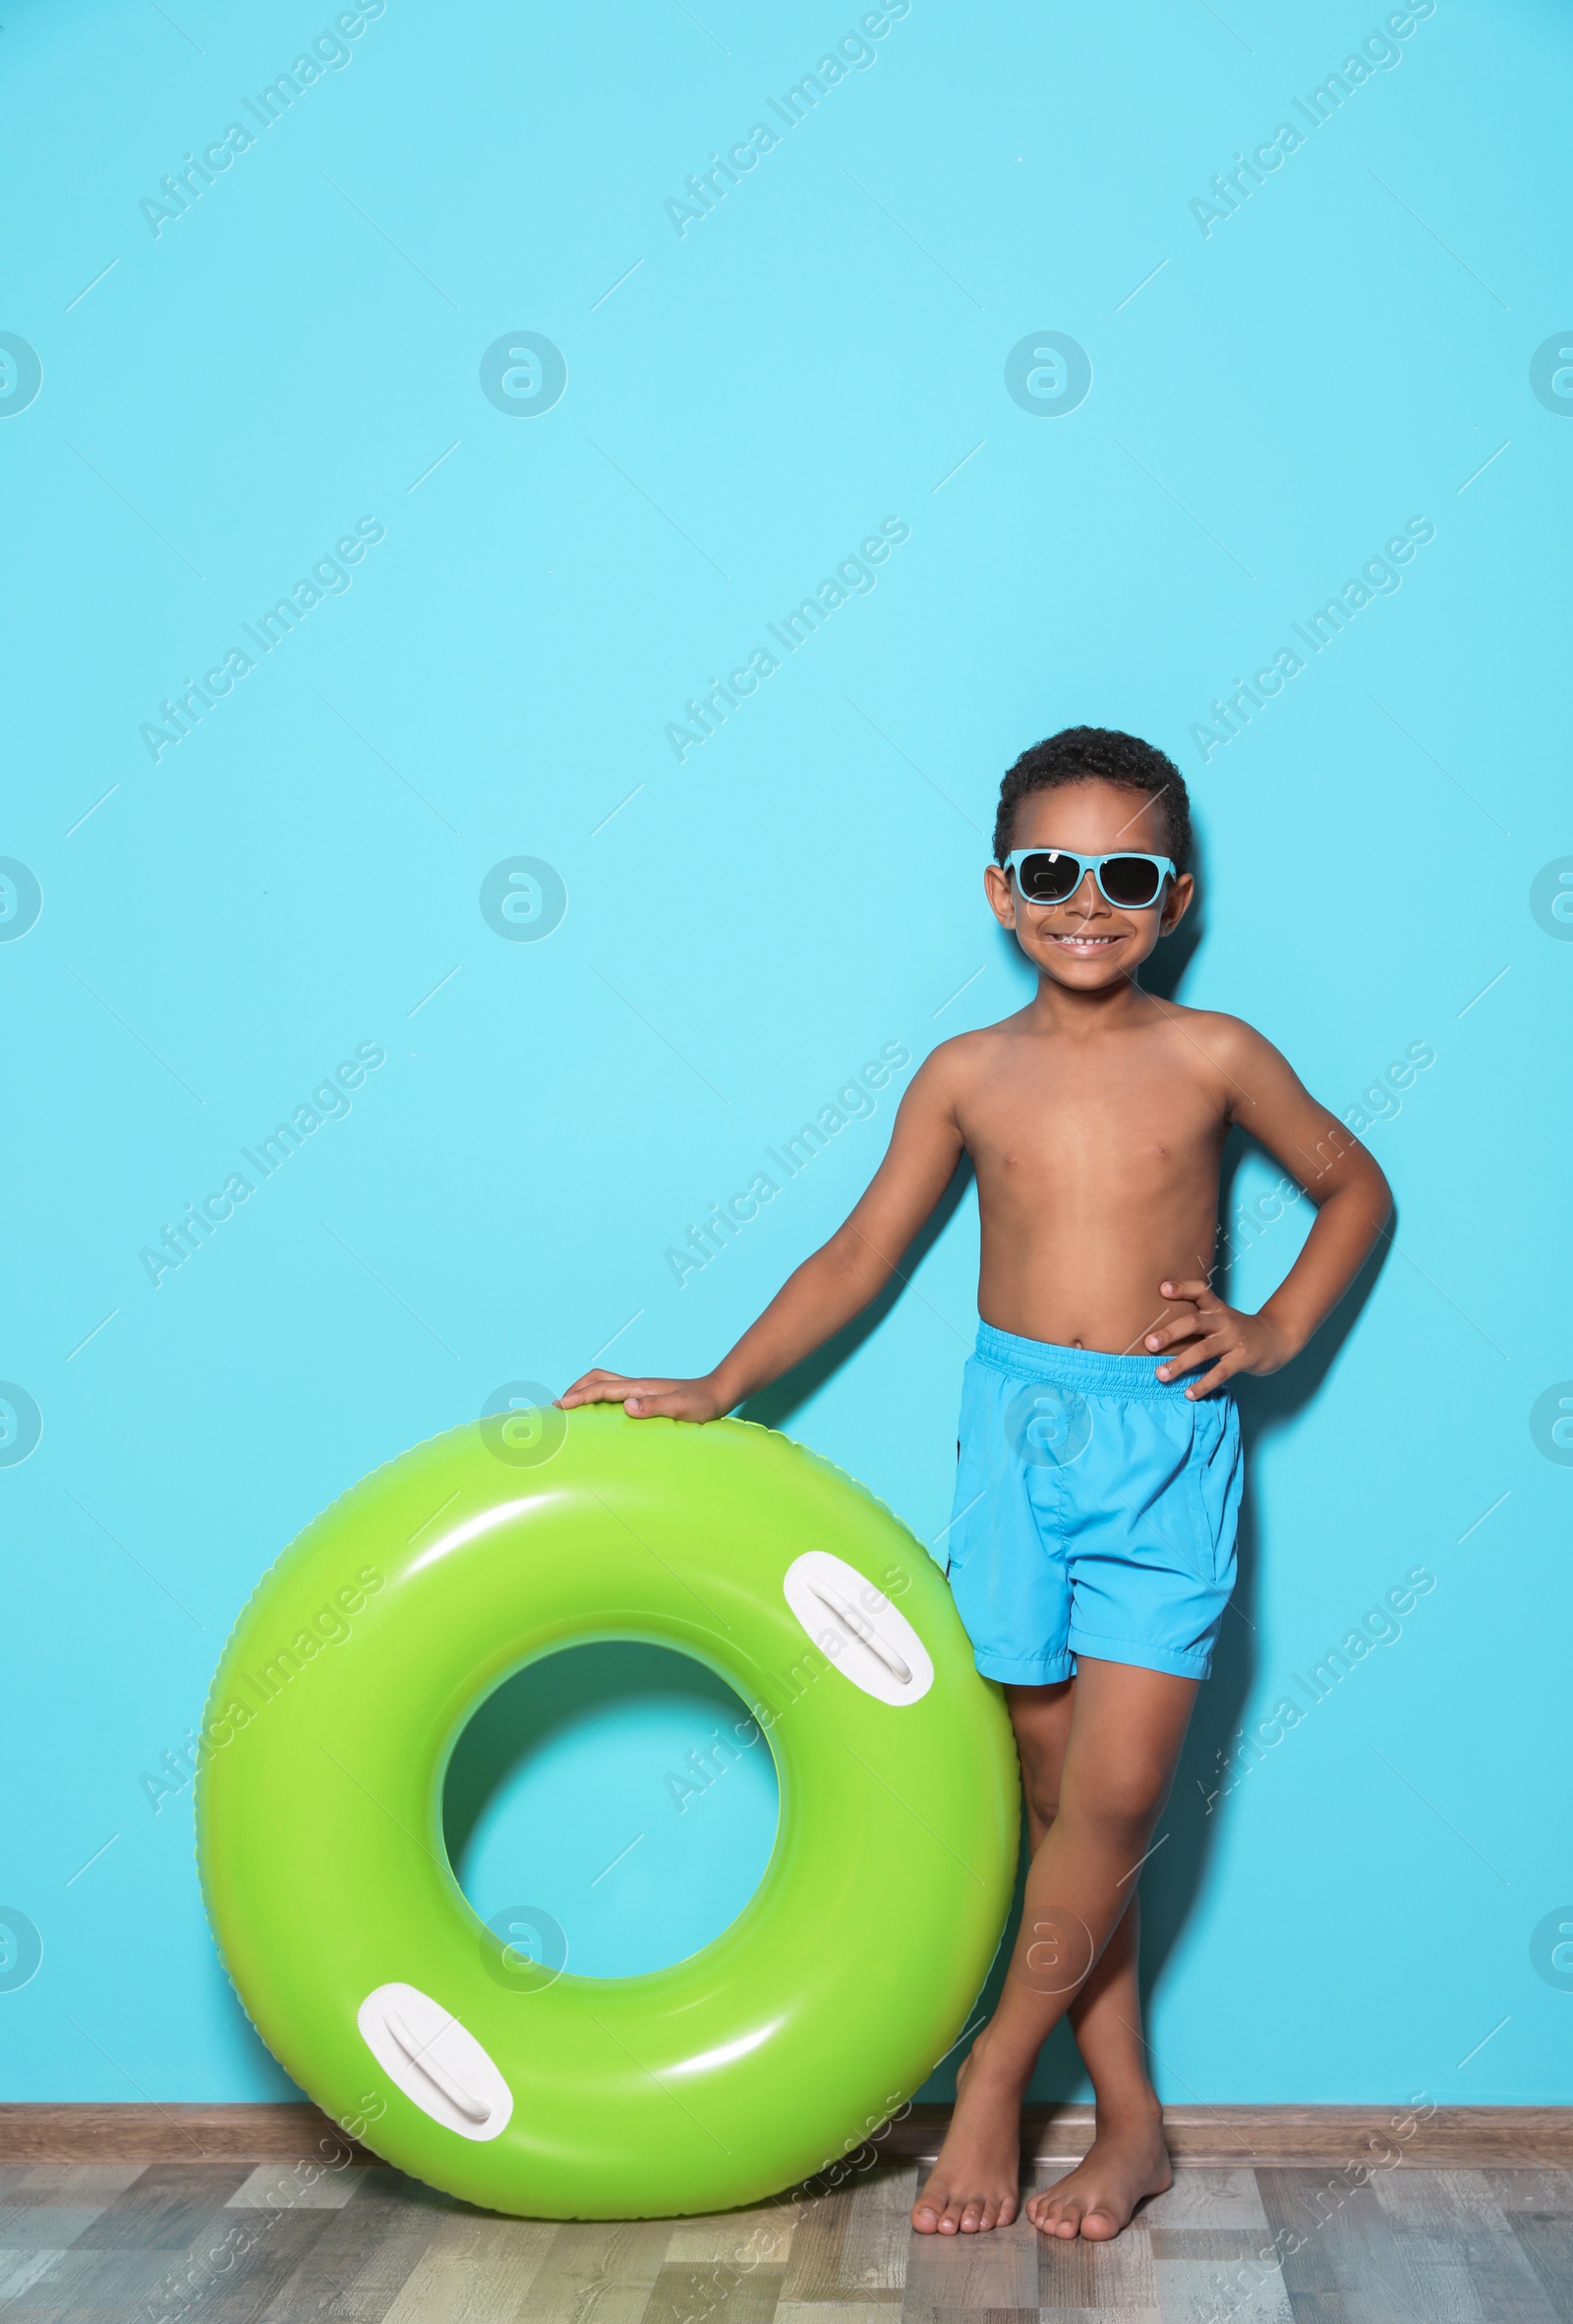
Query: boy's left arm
[1352,1202]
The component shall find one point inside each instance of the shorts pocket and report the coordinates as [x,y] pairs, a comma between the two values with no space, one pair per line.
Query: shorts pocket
[1212,1484]
[1203,1537]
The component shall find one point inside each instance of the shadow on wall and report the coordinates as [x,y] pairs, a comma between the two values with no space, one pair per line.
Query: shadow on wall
[1169,1891]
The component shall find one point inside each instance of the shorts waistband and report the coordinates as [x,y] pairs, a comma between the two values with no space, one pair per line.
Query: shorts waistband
[1084,1368]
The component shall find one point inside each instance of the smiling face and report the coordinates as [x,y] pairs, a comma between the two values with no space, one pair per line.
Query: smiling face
[1087,942]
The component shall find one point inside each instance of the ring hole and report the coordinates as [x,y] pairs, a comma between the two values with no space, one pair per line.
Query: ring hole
[622,1789]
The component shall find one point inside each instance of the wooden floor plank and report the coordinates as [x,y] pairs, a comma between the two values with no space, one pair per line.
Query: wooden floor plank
[1503,2279]
[1076,2272]
[1197,2291]
[223,2277]
[1105,2316]
[476,2270]
[80,2284]
[599,2273]
[1296,2203]
[813,2268]
[995,2273]
[72,2182]
[713,2291]
[974,2315]
[164,2208]
[1359,2262]
[20,2268]
[1453,2233]
[45,2226]
[1547,2243]
[1210,2246]
[832,2311]
[1444,2289]
[879,2233]
[1531,2190]
[1347,2255]
[1207,2199]
[270,2249]
[1368,2265]
[356,2266]
[293,2187]
[50,2206]
[1440,2202]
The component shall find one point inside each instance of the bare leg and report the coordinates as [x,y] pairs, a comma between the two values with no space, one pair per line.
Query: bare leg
[1128,2159]
[1123,1729]
[1041,1719]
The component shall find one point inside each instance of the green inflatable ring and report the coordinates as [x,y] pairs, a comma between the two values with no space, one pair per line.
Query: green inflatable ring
[735,2072]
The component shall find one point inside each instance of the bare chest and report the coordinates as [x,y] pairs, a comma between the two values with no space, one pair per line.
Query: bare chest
[1133,1127]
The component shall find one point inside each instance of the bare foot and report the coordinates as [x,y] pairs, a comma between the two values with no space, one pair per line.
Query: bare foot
[1127,2161]
[976,2181]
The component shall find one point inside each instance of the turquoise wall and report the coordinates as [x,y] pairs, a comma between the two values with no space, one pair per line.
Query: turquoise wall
[583,441]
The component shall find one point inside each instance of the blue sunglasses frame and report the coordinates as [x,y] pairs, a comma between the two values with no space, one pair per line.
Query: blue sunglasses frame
[1162,864]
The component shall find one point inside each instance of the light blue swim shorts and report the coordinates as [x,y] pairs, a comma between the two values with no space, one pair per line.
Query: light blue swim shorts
[1096,1512]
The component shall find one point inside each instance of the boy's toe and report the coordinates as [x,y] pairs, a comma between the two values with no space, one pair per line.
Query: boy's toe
[1099,2223]
[1055,2215]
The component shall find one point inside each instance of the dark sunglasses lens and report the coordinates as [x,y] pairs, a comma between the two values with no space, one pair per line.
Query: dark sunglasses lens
[1132,880]
[1048,879]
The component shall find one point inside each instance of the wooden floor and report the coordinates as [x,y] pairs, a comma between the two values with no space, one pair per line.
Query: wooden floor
[210,2242]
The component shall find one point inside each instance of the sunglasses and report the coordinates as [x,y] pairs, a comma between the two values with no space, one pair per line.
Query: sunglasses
[1049,875]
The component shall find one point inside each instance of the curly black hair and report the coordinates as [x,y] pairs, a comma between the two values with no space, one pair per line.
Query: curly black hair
[1098,754]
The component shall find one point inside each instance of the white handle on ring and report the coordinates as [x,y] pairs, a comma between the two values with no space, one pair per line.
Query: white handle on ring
[421,2057]
[435,2061]
[862,1630]
[856,1627]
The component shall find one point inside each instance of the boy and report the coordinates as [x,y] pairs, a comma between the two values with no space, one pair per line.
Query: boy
[1092,1550]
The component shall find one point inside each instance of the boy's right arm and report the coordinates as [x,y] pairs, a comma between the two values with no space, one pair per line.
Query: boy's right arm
[833,1286]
